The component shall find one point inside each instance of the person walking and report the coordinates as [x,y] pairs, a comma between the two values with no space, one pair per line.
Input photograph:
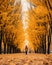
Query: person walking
[26,49]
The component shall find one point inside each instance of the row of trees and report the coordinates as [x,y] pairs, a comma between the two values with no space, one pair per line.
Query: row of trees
[8,30]
[46,16]
[40,25]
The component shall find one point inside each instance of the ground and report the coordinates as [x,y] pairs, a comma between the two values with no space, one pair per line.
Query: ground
[23,59]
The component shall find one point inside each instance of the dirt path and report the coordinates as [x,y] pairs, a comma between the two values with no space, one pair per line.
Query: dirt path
[23,59]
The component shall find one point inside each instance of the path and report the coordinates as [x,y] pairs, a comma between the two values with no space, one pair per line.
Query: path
[23,59]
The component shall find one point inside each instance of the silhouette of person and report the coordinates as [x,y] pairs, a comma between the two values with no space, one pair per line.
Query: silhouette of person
[26,49]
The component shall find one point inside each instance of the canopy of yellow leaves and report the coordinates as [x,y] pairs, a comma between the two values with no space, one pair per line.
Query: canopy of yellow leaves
[11,22]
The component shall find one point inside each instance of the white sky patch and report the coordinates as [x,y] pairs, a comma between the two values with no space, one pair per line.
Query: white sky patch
[16,1]
[25,5]
[25,20]
[26,42]
[25,25]
[25,8]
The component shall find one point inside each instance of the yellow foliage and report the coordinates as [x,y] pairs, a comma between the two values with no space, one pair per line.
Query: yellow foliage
[36,20]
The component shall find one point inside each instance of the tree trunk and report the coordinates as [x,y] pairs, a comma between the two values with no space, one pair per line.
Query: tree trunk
[49,40]
[0,43]
[4,48]
[8,49]
[48,47]
[44,44]
[0,46]
[13,49]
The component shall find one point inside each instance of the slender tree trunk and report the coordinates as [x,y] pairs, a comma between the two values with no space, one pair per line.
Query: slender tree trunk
[49,38]
[44,44]
[0,46]
[4,48]
[8,49]
[48,45]
[0,43]
[13,48]
[16,50]
[44,48]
